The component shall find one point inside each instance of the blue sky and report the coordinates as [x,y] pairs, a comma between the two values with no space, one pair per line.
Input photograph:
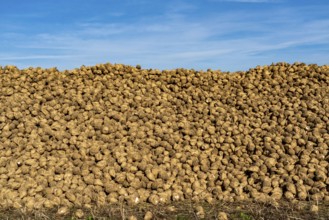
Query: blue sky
[229,35]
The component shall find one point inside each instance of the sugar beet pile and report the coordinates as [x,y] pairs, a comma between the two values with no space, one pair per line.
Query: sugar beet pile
[113,133]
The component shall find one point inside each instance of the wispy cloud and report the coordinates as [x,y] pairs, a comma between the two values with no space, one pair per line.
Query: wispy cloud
[34,57]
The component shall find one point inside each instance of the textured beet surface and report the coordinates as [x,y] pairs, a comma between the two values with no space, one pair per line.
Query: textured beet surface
[114,133]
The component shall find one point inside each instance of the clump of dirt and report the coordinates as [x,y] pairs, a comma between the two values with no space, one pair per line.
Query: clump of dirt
[113,133]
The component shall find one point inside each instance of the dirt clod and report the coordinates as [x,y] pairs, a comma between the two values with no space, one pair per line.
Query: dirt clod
[222,216]
[148,215]
[62,210]
[79,213]
[314,208]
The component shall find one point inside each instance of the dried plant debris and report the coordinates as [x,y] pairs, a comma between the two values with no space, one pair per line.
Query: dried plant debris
[113,133]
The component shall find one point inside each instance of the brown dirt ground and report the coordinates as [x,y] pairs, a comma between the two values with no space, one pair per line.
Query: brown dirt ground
[184,210]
